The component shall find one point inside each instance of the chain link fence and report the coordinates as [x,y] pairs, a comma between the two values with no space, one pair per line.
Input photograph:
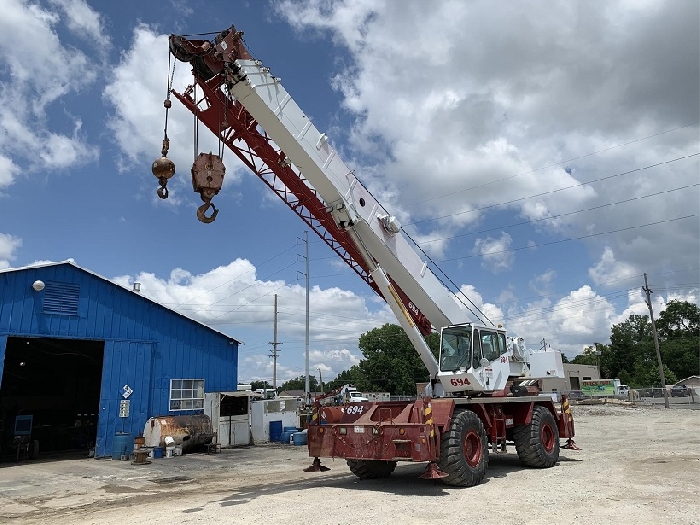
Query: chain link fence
[646,396]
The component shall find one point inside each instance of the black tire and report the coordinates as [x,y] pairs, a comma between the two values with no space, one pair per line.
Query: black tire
[464,451]
[538,443]
[366,469]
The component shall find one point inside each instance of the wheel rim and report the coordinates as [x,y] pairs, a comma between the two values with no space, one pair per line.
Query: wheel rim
[547,438]
[472,448]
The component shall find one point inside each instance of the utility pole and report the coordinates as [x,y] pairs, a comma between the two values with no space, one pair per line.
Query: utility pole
[274,344]
[320,379]
[307,395]
[648,292]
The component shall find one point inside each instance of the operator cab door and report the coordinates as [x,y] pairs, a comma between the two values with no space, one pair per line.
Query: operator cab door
[489,346]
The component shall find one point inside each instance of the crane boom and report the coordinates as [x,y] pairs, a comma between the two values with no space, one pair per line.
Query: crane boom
[243,103]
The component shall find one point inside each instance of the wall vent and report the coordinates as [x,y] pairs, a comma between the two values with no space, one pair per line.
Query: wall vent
[61,298]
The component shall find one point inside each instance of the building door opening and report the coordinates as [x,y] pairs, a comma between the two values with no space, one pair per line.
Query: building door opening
[575,385]
[57,383]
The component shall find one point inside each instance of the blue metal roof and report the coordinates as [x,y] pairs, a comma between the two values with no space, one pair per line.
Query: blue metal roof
[72,263]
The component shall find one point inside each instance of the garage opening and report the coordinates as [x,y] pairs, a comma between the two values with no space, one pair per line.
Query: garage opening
[49,396]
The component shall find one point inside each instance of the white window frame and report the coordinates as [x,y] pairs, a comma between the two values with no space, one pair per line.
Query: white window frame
[189,394]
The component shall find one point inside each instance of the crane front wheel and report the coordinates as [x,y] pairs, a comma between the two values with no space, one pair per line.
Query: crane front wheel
[538,443]
[464,453]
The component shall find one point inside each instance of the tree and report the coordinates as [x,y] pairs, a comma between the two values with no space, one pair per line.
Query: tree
[299,383]
[256,385]
[391,362]
[679,332]
[680,319]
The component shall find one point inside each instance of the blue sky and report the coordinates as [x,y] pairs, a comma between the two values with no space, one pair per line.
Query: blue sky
[541,154]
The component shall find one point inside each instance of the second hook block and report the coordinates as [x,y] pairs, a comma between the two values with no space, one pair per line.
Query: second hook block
[208,172]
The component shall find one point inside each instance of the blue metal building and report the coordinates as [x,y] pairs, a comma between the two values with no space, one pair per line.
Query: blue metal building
[89,359]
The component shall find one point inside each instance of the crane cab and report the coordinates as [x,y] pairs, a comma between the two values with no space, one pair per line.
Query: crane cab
[473,358]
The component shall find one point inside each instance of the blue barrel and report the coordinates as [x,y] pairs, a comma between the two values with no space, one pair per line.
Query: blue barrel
[286,437]
[299,438]
[157,453]
[290,429]
[275,430]
[122,445]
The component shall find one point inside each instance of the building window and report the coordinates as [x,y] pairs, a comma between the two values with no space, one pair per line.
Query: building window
[186,394]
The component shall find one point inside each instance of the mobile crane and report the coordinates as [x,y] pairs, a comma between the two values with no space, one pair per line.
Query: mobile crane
[483,389]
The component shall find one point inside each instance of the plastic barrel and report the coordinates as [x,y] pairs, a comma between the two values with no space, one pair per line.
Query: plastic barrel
[122,445]
[299,438]
[290,429]
[157,453]
[275,430]
[286,437]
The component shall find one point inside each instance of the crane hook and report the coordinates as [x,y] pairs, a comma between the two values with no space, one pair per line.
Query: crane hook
[203,208]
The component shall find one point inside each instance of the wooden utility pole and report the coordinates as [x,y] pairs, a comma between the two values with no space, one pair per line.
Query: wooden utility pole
[274,344]
[648,292]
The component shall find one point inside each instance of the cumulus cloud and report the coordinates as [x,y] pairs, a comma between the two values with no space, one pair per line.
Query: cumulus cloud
[8,246]
[233,298]
[494,252]
[85,22]
[35,80]
[610,270]
[579,121]
[500,120]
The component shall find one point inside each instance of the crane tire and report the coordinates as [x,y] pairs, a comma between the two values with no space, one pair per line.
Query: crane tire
[538,443]
[464,451]
[369,469]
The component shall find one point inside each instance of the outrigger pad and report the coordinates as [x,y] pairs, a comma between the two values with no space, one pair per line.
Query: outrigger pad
[570,444]
[433,472]
[316,467]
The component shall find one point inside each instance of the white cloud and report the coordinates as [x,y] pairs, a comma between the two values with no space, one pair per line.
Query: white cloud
[235,300]
[82,20]
[466,111]
[495,253]
[35,79]
[8,246]
[610,270]
[542,283]
[8,170]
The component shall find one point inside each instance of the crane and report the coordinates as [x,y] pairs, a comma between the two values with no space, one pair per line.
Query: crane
[481,377]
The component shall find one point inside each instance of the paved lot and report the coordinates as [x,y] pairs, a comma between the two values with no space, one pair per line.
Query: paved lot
[637,466]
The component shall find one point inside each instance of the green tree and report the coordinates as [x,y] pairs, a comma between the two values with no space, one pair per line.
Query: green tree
[299,383]
[391,363]
[255,385]
[678,327]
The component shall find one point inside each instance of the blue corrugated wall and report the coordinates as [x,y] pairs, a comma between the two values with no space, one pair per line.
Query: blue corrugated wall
[146,345]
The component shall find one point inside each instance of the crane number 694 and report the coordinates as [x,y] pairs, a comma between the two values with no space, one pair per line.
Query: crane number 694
[458,381]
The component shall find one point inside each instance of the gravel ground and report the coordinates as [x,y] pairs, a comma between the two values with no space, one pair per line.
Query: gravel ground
[637,465]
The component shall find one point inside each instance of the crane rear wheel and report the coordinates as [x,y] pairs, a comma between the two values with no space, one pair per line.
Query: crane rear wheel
[371,469]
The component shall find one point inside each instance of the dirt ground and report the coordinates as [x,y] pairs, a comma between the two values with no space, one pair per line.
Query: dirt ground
[637,465]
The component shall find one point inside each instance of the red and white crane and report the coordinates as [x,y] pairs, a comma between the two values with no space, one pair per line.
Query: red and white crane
[480,370]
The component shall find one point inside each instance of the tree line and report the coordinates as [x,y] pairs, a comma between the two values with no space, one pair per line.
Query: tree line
[631,355]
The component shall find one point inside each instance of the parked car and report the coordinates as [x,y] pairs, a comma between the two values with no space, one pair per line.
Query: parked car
[680,391]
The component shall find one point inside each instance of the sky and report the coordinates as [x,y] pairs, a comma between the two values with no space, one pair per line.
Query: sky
[544,154]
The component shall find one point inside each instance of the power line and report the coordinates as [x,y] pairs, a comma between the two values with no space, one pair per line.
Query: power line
[551,243]
[552,217]
[555,164]
[592,181]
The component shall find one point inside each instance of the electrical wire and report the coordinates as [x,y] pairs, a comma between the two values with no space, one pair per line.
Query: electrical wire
[555,164]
